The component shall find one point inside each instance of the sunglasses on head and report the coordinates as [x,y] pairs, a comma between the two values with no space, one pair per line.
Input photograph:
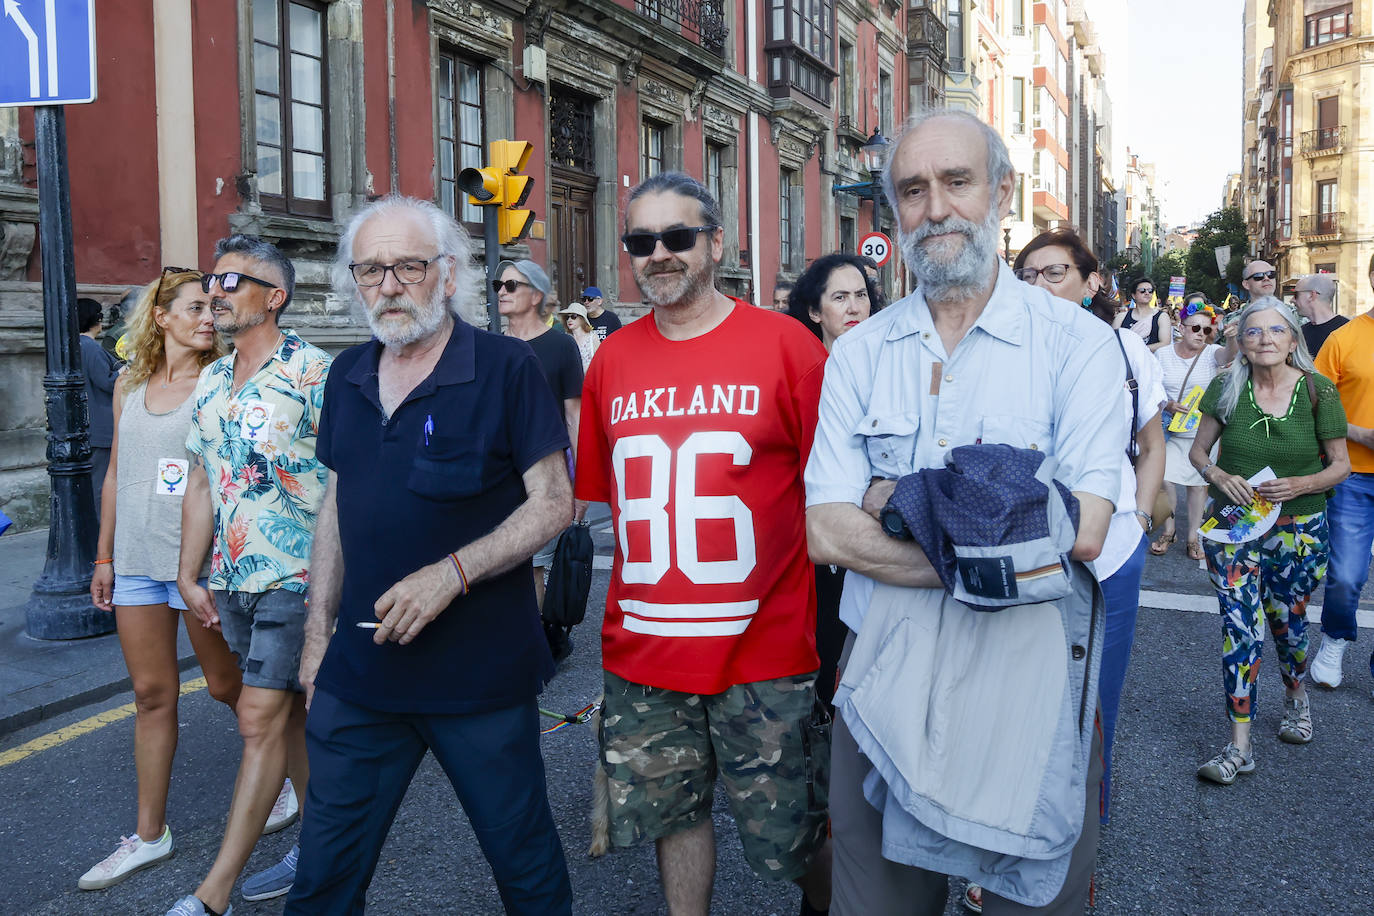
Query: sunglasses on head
[642,244]
[1264,275]
[229,281]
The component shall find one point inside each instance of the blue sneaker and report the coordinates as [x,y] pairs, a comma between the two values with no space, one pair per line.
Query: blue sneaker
[274,881]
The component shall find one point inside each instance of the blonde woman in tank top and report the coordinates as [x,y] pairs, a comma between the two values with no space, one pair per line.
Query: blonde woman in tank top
[171,338]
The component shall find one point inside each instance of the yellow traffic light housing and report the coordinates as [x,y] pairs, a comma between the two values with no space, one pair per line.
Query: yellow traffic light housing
[509,158]
[484,187]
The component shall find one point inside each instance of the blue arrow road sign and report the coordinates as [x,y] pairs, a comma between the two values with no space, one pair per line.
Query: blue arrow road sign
[47,52]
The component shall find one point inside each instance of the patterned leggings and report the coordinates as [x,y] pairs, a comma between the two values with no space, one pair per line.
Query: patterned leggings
[1278,572]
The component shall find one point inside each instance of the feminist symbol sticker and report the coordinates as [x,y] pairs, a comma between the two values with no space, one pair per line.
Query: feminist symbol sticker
[254,420]
[171,477]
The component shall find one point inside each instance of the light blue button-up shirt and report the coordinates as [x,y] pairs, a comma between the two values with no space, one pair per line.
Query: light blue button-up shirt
[1034,371]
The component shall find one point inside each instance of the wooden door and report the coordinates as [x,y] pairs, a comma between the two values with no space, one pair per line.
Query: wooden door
[572,233]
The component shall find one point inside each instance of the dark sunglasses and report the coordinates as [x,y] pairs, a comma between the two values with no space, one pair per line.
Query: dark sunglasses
[642,244]
[588,298]
[170,270]
[1207,331]
[1264,275]
[508,285]
[229,281]
[1144,292]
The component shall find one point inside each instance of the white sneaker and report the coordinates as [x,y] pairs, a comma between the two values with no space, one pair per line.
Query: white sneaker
[133,854]
[1326,667]
[284,811]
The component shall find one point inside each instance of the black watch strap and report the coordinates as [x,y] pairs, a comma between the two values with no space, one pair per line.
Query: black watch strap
[893,523]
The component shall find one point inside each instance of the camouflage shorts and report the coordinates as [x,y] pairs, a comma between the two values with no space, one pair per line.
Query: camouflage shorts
[769,740]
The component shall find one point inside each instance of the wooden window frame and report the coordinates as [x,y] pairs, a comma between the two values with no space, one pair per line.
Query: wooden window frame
[458,142]
[287,201]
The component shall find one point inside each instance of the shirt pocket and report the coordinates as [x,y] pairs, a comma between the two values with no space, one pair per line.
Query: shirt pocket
[890,442]
[448,468]
[1020,432]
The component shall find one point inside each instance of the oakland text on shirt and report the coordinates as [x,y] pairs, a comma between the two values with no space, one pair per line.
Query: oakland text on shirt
[670,402]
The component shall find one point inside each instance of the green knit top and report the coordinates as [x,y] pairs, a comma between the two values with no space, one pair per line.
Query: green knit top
[1253,439]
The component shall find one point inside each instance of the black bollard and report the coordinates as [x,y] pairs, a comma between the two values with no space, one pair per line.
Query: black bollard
[60,606]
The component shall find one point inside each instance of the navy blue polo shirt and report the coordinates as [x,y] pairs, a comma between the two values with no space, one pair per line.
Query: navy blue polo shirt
[443,471]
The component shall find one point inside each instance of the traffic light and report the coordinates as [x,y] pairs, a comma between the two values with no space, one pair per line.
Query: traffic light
[508,159]
[483,186]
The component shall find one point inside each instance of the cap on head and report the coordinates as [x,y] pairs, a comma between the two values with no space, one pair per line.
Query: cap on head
[532,272]
[591,292]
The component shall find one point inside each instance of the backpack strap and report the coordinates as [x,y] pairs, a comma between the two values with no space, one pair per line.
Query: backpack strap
[1133,386]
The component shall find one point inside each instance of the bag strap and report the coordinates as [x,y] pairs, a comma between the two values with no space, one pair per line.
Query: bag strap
[1312,398]
[1133,387]
[1182,389]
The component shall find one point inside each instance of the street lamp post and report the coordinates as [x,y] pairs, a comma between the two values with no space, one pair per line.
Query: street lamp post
[874,154]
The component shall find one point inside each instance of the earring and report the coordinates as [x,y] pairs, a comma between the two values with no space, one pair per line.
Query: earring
[1087,301]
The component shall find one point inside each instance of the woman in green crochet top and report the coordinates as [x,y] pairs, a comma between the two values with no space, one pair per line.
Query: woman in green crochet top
[1270,409]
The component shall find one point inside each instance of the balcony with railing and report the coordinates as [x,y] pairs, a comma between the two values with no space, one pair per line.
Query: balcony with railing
[1321,225]
[926,34]
[702,21]
[1325,141]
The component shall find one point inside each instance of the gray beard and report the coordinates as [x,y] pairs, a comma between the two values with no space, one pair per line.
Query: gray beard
[424,320]
[966,273]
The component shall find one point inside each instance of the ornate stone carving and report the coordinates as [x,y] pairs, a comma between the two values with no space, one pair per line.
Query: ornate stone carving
[775,130]
[537,22]
[630,68]
[717,119]
[696,95]
[16,246]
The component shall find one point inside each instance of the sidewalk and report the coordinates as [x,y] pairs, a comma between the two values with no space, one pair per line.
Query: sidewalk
[43,678]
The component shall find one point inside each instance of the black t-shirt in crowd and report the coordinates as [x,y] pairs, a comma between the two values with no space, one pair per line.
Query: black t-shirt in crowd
[605,323]
[1315,334]
[562,364]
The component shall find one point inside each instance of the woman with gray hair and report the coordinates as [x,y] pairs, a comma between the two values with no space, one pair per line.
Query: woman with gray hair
[1270,410]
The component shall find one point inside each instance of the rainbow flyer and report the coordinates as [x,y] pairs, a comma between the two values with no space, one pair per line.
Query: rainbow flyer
[1229,523]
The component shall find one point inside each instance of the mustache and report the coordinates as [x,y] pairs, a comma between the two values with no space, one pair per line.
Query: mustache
[924,231]
[664,269]
[401,303]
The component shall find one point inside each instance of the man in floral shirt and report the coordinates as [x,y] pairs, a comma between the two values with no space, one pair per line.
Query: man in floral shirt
[253,431]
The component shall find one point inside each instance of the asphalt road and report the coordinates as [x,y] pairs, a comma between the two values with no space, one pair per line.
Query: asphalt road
[1294,837]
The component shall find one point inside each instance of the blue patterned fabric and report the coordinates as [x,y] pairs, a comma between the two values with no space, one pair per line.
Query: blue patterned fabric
[990,524]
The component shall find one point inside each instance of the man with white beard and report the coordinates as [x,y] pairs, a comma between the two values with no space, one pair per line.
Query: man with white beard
[964,743]
[445,451]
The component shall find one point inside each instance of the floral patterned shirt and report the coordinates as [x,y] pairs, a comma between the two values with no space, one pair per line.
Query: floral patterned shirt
[258,447]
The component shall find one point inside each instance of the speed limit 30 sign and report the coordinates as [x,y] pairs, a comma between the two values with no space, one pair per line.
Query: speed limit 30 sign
[876,246]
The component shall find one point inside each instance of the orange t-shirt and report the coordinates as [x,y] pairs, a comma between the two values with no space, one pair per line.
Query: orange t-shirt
[1347,358]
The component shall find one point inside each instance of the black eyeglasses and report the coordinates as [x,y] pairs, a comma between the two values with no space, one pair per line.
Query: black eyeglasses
[508,285]
[1052,272]
[1264,275]
[407,273]
[642,244]
[229,281]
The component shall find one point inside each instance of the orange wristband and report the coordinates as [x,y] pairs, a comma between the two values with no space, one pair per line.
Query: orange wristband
[106,560]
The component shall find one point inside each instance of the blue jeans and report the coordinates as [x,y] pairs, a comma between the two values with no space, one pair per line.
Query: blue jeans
[361,763]
[1121,593]
[1350,519]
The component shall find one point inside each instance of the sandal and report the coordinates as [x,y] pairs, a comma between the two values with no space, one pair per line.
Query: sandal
[1297,721]
[1224,767]
[1195,550]
[1160,547]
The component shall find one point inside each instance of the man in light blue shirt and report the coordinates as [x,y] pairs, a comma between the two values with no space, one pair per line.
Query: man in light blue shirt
[1003,731]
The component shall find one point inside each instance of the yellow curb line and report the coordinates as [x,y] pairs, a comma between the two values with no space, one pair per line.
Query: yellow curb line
[84,727]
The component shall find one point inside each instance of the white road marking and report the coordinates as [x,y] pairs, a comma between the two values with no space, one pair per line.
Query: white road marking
[1207,604]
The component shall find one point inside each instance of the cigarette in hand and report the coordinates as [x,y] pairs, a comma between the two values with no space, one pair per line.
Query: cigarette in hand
[364,625]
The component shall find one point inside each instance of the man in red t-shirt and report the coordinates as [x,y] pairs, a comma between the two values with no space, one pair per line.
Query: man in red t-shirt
[696,426]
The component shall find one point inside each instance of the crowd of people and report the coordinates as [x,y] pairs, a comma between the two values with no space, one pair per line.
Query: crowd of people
[801,578]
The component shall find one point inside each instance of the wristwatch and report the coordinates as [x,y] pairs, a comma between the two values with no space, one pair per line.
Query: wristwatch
[893,523]
[1147,519]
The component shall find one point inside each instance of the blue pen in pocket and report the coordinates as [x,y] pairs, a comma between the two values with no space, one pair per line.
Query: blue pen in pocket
[429,427]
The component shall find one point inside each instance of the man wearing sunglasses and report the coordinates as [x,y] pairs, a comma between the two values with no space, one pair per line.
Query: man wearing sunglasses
[603,320]
[1259,279]
[697,420]
[253,493]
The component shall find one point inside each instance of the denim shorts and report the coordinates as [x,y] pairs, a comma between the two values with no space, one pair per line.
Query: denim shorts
[266,630]
[137,591]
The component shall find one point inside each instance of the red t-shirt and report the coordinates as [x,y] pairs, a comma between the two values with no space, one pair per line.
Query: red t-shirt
[699,447]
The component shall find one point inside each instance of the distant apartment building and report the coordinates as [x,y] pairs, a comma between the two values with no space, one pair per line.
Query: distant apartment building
[1140,228]
[1035,71]
[1309,157]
